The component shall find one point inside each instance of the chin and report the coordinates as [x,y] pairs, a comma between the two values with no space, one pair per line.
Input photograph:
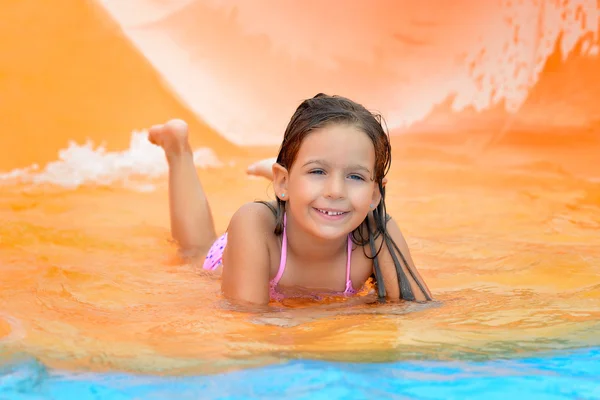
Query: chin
[332,231]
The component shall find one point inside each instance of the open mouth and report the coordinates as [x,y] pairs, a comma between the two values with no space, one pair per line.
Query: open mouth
[331,213]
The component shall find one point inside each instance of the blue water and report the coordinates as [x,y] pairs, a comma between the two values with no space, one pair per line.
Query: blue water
[560,375]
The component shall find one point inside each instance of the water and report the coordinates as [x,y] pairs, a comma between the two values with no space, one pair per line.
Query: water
[512,253]
[558,375]
[500,206]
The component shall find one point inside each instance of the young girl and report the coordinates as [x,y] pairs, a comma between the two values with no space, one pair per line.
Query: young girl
[327,232]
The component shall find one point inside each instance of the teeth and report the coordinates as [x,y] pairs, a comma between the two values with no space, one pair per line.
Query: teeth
[331,212]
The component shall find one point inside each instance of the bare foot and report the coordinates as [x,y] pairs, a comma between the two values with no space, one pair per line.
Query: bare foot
[172,137]
[263,168]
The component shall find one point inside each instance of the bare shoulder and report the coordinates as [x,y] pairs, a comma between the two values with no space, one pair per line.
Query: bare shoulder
[252,216]
[246,259]
[400,274]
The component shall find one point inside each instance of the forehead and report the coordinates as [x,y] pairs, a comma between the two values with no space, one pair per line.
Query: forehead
[338,144]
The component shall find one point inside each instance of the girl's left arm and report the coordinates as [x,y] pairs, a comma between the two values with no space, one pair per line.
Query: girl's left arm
[388,269]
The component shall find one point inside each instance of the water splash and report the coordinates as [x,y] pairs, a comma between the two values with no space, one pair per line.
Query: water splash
[507,64]
[81,164]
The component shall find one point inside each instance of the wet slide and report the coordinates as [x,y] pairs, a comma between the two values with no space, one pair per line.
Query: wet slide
[494,111]
[400,57]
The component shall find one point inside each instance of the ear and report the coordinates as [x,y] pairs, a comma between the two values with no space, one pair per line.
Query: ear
[376,198]
[280,181]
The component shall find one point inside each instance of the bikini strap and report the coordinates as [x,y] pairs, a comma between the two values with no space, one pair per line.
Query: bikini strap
[283,259]
[348,280]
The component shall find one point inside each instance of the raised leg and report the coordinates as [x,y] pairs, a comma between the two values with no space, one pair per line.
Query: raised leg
[192,223]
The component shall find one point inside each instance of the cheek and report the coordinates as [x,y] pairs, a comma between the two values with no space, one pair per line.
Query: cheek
[302,189]
[362,195]
[360,198]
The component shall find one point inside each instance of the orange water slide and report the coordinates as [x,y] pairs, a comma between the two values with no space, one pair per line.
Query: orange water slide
[236,70]
[243,66]
[68,72]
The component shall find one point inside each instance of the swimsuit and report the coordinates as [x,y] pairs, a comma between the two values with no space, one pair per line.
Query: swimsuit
[214,258]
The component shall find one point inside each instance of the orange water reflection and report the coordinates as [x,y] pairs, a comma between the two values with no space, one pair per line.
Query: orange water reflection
[501,211]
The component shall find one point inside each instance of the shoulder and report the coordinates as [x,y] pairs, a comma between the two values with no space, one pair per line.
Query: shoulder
[392,228]
[252,217]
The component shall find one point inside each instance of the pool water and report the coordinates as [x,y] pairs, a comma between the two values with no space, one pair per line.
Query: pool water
[551,376]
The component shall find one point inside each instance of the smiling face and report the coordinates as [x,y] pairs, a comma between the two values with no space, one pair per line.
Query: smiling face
[330,186]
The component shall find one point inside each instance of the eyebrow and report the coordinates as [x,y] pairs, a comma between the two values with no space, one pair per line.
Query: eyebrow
[352,167]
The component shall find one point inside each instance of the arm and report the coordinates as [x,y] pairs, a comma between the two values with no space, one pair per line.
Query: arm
[246,268]
[388,269]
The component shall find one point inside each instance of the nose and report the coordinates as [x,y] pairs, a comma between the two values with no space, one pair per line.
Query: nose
[335,187]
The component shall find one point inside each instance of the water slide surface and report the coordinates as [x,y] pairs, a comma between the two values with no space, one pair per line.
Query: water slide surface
[494,112]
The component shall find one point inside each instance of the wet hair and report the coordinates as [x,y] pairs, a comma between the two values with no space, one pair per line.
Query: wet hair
[323,110]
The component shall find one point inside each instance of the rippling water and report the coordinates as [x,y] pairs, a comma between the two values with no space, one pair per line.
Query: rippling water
[510,250]
[558,375]
[495,185]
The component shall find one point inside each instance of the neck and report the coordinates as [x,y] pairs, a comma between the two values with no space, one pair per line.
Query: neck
[312,249]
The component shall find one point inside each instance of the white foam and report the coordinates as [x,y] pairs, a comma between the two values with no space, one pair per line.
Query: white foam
[83,164]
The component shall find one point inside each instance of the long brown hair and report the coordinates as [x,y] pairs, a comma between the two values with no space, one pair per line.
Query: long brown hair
[323,110]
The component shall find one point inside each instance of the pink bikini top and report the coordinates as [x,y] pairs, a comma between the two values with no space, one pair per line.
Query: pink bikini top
[273,283]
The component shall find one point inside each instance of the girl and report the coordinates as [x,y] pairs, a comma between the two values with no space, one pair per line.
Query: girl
[326,233]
